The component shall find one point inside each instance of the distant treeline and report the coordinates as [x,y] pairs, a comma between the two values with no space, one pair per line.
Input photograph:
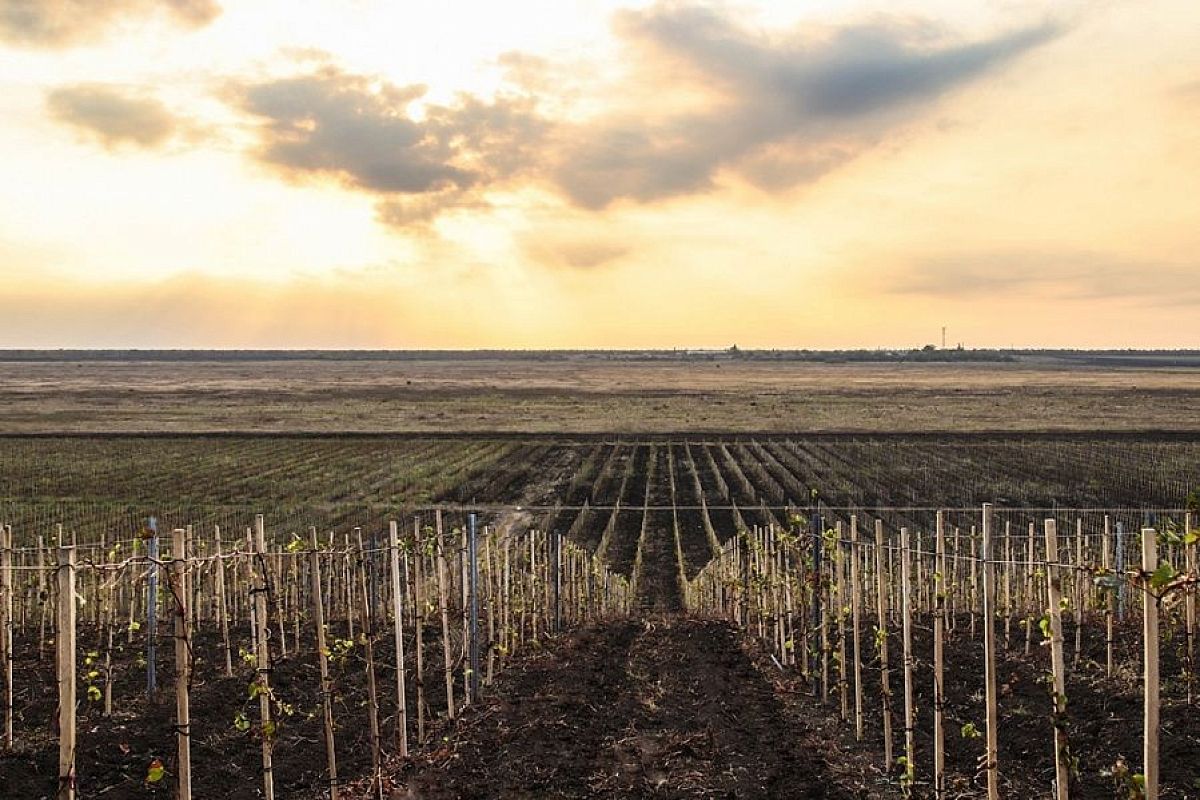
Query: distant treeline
[925,354]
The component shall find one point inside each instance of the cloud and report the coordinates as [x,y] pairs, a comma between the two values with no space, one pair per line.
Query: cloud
[116,115]
[786,107]
[361,132]
[572,251]
[703,97]
[1073,275]
[62,23]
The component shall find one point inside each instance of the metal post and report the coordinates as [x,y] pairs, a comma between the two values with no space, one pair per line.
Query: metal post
[472,553]
[151,608]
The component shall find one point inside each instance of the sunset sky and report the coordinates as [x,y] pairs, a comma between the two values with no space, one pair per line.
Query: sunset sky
[542,173]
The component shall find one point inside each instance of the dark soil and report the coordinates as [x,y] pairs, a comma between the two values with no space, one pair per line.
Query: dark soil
[1104,716]
[114,753]
[667,707]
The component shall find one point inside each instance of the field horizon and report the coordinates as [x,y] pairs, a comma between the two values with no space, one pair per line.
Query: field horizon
[573,396]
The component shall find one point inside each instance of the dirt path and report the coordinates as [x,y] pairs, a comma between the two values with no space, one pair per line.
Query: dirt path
[662,707]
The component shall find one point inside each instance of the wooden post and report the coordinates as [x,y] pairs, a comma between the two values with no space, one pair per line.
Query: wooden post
[65,664]
[323,663]
[939,635]
[368,632]
[222,607]
[1062,757]
[881,639]
[910,722]
[490,587]
[843,677]
[854,617]
[1030,588]
[991,757]
[43,596]
[108,617]
[1189,604]
[6,630]
[443,604]
[1080,596]
[152,612]
[1150,637]
[398,626]
[182,667]
[1110,599]
[974,581]
[262,633]
[418,576]
[275,563]
[1006,595]
[463,597]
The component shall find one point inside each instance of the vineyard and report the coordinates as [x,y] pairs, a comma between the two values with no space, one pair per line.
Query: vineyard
[955,616]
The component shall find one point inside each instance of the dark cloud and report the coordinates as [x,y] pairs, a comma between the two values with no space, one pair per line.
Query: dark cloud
[774,109]
[789,107]
[115,115]
[1068,275]
[414,212]
[362,132]
[61,23]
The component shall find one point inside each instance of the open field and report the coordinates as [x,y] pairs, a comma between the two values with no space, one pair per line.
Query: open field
[653,611]
[587,487]
[707,586]
[599,396]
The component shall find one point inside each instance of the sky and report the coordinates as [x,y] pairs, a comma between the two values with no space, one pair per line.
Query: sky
[592,174]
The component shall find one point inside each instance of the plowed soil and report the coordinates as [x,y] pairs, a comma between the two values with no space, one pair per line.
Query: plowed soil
[667,707]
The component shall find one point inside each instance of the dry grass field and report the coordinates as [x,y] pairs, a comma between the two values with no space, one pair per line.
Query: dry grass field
[515,396]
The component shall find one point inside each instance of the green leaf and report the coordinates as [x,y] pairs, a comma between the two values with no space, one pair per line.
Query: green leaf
[1162,576]
[156,772]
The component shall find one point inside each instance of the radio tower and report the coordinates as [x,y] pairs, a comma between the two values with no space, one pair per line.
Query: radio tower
[943,337]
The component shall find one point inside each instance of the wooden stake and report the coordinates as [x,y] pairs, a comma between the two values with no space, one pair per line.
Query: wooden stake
[323,663]
[1062,757]
[1111,598]
[182,667]
[65,665]
[43,596]
[840,568]
[418,577]
[1030,589]
[939,635]
[262,633]
[222,606]
[910,721]
[991,756]
[398,626]
[1078,585]
[882,641]
[443,605]
[6,630]
[854,617]
[1189,556]
[490,588]
[368,632]
[1150,637]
